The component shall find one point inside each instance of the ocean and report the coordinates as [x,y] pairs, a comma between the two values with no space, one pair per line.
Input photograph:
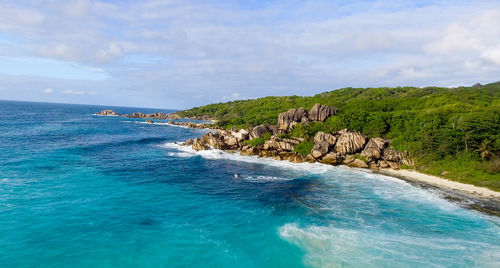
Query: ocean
[79,190]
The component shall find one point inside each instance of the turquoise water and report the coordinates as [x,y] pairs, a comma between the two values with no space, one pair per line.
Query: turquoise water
[78,190]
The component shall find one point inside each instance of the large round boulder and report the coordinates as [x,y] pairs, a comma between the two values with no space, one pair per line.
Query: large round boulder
[349,142]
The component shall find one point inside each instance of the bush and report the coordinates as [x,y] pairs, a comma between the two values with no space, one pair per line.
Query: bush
[259,141]
[304,148]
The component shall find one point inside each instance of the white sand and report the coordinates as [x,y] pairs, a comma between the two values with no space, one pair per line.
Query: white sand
[443,183]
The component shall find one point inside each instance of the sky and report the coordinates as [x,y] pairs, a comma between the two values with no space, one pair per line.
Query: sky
[181,54]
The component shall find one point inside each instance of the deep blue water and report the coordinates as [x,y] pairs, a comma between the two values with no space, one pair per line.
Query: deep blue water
[78,190]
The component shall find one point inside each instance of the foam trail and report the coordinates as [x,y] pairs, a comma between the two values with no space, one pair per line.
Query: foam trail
[328,246]
[314,168]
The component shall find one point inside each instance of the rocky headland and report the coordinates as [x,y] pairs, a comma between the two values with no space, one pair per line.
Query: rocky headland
[162,116]
[341,147]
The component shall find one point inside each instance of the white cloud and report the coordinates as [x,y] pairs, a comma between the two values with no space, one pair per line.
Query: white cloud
[73,92]
[227,51]
[48,90]
[492,55]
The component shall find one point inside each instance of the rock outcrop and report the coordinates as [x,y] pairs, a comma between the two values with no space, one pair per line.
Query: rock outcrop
[140,115]
[108,113]
[258,131]
[373,149]
[358,163]
[198,145]
[276,143]
[287,120]
[332,159]
[393,155]
[153,116]
[321,112]
[320,149]
[349,142]
[326,137]
[342,147]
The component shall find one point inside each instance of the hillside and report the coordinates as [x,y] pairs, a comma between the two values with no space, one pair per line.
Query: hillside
[451,132]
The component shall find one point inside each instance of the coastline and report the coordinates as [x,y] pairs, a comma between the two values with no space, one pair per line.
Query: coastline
[467,189]
[233,141]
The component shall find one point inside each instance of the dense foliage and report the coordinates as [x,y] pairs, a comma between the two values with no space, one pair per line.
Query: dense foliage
[454,132]
[259,141]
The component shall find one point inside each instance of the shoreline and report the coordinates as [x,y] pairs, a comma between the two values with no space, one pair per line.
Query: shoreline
[464,188]
[466,195]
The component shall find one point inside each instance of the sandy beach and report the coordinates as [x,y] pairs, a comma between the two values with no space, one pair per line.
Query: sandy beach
[469,189]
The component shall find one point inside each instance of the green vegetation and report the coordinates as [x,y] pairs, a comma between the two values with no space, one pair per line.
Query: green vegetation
[304,147]
[452,132]
[361,157]
[259,141]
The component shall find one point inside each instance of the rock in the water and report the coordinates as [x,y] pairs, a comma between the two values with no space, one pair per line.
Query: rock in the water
[287,120]
[321,112]
[320,149]
[358,163]
[258,131]
[198,145]
[349,142]
[108,113]
[332,159]
[322,136]
[189,142]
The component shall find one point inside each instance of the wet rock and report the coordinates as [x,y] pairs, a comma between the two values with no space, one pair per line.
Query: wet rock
[358,163]
[348,159]
[310,158]
[321,112]
[108,113]
[153,115]
[320,149]
[332,159]
[268,153]
[349,142]
[198,145]
[188,142]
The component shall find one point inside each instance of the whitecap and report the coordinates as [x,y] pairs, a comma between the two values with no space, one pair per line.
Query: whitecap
[315,168]
[328,246]
[262,178]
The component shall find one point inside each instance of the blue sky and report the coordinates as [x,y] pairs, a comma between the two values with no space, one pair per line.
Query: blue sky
[179,54]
